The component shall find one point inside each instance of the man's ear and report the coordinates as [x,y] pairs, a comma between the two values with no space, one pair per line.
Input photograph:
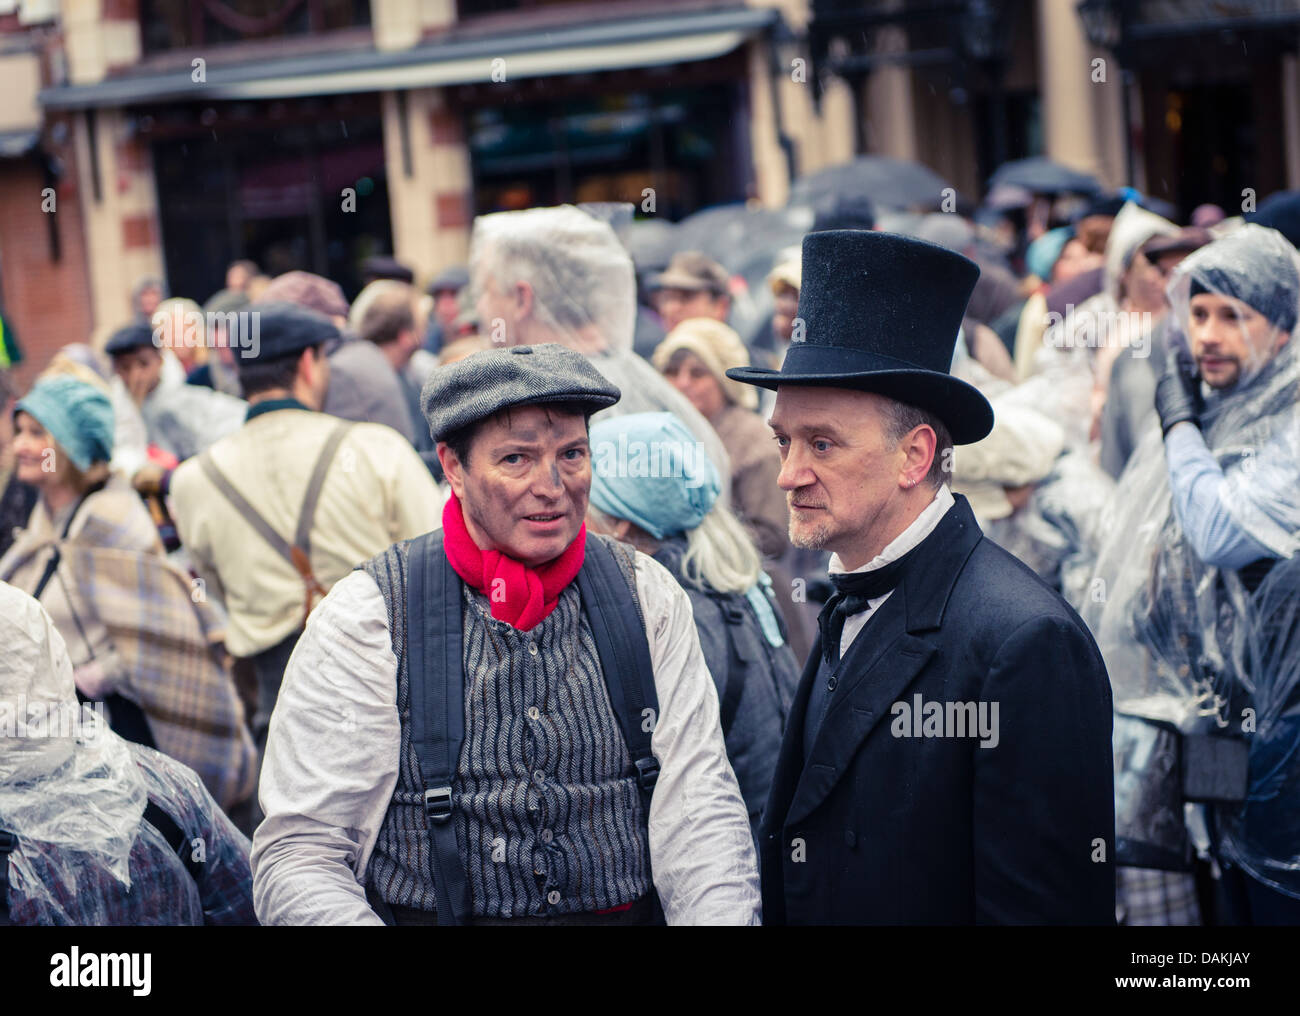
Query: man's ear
[920,447]
[307,365]
[452,469]
[524,297]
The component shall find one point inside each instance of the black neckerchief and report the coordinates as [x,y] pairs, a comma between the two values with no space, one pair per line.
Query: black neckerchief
[853,591]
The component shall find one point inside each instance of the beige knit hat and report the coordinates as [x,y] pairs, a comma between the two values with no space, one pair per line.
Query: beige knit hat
[788,272]
[719,347]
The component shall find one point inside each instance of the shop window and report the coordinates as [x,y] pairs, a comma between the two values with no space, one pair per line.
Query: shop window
[682,144]
[185,24]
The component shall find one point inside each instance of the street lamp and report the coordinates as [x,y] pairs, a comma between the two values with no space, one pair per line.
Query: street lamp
[1102,22]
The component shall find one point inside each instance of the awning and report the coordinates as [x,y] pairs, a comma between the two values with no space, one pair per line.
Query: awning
[642,42]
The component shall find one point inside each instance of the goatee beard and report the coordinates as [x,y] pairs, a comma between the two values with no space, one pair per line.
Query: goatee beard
[814,539]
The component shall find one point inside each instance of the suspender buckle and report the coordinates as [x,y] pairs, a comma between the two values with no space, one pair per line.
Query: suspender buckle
[647,773]
[437,805]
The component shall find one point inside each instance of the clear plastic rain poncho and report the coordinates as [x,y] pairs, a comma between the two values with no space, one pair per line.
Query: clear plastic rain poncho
[1196,648]
[1078,347]
[584,296]
[65,779]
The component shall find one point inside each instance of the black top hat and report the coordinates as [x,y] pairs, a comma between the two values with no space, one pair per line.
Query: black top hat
[880,313]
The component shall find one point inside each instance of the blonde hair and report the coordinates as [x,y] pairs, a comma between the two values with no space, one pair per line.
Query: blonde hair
[720,553]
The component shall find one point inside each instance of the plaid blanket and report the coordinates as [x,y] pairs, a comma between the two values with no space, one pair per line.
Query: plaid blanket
[169,648]
[117,600]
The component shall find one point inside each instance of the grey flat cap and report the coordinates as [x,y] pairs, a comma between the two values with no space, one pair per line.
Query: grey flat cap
[478,386]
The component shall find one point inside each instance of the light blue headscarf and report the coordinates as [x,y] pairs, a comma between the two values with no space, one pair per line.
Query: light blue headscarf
[1041,255]
[649,469]
[77,415]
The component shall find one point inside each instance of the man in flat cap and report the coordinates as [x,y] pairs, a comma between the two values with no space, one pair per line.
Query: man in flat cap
[693,285]
[508,720]
[947,756]
[277,512]
[180,418]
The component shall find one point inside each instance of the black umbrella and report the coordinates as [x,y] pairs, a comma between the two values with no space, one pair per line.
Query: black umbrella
[885,182]
[1043,176]
[651,242]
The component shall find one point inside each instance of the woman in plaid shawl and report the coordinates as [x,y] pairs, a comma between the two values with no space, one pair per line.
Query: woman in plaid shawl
[141,639]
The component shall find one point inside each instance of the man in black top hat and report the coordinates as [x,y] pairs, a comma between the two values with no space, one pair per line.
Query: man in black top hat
[947,759]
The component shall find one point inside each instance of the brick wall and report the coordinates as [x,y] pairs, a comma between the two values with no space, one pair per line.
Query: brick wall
[47,302]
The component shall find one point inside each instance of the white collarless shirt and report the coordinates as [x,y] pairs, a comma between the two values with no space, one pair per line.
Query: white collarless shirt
[921,527]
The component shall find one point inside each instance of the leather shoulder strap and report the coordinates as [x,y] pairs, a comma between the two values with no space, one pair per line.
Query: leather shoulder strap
[307,514]
[249,513]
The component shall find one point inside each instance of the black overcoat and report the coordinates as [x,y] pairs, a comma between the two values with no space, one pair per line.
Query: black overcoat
[882,828]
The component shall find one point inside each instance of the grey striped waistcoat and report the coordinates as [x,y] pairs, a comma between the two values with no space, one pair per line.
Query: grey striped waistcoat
[548,820]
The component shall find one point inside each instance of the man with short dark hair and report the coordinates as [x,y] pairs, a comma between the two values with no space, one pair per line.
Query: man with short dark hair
[947,757]
[507,720]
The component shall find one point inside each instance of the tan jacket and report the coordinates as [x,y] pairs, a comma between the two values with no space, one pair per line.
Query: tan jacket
[377,491]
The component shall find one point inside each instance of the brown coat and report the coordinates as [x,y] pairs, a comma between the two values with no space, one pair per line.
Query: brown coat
[755,465]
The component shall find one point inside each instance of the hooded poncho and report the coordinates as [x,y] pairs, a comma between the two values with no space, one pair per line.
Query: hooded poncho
[1194,647]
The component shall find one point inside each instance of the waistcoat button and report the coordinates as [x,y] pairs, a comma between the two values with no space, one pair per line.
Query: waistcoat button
[553,897]
[534,712]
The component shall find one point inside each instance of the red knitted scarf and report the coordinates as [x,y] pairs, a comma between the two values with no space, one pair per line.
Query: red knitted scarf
[521,596]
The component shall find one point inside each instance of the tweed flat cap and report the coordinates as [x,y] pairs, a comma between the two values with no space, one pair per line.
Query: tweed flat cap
[480,385]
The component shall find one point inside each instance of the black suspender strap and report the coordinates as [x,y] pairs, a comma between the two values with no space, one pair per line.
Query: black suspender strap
[435,678]
[734,685]
[8,844]
[434,665]
[624,654]
[175,837]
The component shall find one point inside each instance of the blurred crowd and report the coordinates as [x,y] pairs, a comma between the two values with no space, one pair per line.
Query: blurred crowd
[179,492]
